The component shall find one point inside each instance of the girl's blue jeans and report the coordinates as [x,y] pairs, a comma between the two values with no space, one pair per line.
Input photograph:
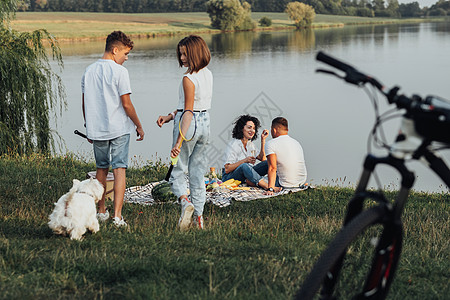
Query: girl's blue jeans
[247,171]
[192,163]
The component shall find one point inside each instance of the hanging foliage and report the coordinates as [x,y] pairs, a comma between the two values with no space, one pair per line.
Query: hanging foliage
[29,89]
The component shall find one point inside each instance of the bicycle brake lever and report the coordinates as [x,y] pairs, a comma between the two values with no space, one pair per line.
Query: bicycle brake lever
[329,72]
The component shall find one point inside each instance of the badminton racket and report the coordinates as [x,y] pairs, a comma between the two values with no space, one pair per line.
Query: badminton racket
[187,126]
[80,134]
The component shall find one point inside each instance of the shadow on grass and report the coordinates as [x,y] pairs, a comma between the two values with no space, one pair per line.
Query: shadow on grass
[24,229]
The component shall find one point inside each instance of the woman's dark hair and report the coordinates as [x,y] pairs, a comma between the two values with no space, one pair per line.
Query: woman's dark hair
[239,126]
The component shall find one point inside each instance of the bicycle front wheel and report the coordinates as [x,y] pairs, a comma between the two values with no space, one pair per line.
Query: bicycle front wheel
[325,272]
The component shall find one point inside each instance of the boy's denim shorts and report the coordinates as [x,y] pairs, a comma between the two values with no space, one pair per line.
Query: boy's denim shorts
[112,152]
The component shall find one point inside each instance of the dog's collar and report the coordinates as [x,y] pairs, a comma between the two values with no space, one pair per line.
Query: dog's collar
[82,192]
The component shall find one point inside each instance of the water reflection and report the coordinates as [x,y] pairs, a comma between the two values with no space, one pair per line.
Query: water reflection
[302,40]
[442,28]
[233,45]
[330,118]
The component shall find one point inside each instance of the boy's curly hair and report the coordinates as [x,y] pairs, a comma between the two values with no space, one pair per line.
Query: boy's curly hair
[118,39]
[240,123]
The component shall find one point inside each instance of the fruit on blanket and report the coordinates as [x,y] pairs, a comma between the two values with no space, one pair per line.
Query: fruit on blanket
[212,186]
[163,193]
[230,183]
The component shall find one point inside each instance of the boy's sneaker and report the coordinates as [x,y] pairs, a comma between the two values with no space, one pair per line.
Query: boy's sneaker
[198,222]
[103,216]
[186,213]
[119,222]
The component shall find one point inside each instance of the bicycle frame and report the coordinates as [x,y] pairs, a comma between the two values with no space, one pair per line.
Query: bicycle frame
[431,118]
[383,263]
[409,144]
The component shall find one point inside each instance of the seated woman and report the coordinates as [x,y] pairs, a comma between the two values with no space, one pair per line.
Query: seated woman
[240,155]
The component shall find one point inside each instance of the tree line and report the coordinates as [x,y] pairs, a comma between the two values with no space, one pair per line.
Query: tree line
[364,8]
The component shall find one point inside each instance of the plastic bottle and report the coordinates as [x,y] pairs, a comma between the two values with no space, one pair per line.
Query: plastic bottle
[212,175]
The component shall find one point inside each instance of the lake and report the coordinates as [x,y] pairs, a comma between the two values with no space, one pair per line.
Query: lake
[269,74]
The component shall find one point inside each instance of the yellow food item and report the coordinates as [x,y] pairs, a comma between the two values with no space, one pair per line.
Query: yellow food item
[244,188]
[228,182]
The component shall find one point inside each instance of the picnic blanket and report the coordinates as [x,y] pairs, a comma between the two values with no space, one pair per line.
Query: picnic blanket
[220,197]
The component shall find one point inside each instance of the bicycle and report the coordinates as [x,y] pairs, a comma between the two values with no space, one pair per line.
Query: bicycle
[424,130]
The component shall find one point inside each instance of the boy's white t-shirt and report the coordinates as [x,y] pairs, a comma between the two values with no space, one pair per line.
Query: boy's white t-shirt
[203,82]
[291,167]
[102,84]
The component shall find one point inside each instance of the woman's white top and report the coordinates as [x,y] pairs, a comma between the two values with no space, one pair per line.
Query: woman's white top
[235,151]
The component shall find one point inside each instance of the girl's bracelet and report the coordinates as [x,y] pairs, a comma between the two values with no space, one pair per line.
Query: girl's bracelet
[173,115]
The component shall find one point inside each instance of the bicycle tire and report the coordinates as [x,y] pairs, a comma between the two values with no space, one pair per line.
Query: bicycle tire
[337,248]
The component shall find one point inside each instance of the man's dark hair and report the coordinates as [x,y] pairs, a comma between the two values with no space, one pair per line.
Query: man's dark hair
[118,39]
[240,123]
[280,122]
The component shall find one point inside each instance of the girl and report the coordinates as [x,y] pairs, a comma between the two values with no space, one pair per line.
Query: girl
[240,155]
[195,94]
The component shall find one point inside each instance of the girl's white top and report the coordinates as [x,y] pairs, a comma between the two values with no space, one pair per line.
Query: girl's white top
[203,82]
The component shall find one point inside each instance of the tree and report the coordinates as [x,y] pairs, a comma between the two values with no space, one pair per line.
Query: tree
[440,8]
[230,15]
[29,89]
[265,22]
[302,14]
[392,8]
[410,10]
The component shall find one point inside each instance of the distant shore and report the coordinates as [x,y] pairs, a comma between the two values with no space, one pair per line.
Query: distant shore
[73,26]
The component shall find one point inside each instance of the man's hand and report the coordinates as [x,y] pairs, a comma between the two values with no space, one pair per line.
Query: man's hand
[276,189]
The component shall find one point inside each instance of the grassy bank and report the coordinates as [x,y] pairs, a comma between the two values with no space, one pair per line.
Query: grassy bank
[76,26]
[260,249]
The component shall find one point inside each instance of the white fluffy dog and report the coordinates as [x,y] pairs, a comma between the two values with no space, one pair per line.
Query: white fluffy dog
[75,211]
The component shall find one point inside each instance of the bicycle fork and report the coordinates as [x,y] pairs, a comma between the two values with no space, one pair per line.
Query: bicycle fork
[388,247]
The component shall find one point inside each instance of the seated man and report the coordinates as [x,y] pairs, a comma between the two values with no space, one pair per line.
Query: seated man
[286,163]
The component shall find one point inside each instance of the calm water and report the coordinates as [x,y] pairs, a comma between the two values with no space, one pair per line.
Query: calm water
[273,73]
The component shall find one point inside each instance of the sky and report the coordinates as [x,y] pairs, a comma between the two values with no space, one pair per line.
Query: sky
[422,3]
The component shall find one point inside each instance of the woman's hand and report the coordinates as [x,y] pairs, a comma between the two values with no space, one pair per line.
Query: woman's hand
[250,160]
[264,134]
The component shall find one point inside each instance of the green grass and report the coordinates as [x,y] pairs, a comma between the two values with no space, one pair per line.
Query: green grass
[260,249]
[79,26]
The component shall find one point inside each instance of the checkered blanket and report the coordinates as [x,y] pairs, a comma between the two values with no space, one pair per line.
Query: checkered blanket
[221,197]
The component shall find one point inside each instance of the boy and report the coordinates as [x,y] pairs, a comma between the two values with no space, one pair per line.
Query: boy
[110,117]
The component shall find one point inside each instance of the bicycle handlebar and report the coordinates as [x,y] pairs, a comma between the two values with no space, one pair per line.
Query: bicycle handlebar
[351,74]
[431,115]
[334,62]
